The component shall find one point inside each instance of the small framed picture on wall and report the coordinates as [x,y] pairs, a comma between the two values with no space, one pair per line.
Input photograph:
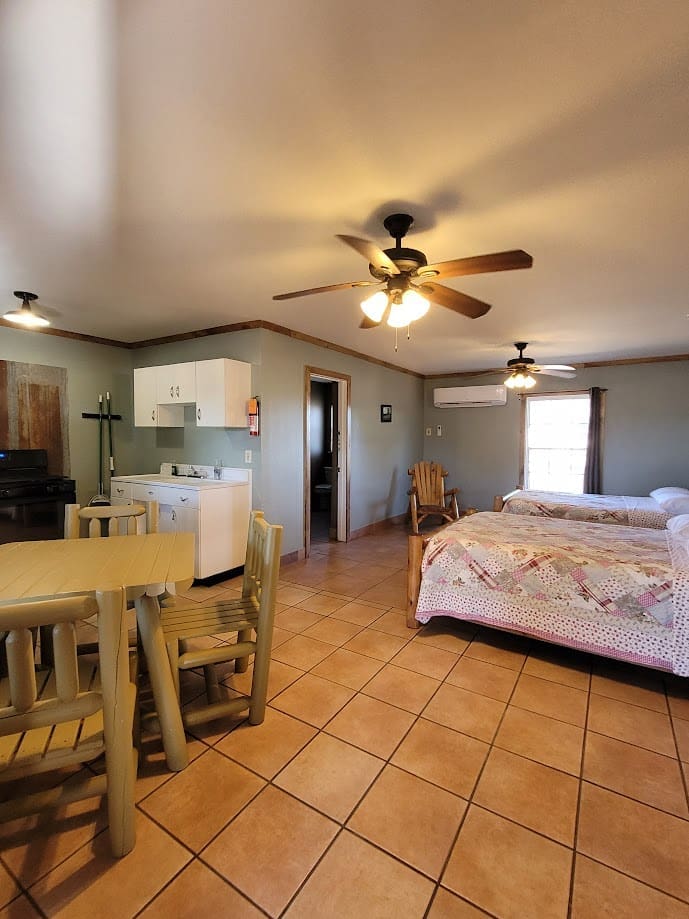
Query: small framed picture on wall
[386,413]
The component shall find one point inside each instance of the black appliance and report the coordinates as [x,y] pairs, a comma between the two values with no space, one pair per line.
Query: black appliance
[32,502]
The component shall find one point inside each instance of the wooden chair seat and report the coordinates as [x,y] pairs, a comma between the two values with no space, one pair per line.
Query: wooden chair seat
[54,717]
[427,495]
[251,617]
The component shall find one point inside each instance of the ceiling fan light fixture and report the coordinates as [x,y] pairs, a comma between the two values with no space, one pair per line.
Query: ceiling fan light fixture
[520,380]
[25,315]
[416,305]
[374,307]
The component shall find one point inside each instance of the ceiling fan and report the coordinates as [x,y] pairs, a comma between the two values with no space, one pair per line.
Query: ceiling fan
[400,302]
[519,369]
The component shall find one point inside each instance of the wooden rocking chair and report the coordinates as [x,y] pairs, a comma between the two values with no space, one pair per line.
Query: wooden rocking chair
[427,495]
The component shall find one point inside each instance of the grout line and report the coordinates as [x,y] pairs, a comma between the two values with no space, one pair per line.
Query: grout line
[580,782]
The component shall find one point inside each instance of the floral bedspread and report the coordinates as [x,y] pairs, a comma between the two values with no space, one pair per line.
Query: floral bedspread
[609,590]
[623,510]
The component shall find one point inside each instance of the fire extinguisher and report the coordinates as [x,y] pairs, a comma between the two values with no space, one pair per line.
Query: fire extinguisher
[252,410]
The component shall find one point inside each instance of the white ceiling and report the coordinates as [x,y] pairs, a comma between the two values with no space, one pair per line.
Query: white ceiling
[170,165]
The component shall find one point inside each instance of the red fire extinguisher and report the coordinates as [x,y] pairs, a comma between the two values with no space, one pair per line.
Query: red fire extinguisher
[252,410]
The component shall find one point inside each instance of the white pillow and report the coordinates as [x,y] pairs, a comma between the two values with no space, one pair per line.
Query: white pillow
[679,525]
[670,491]
[676,505]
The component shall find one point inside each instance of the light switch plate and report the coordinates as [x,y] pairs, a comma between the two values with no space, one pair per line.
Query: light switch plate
[439,430]
[247,456]
[429,431]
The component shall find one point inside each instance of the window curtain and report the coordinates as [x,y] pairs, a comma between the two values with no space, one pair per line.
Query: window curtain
[593,471]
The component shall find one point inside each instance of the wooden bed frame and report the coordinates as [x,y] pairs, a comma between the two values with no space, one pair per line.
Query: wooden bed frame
[416,548]
[499,500]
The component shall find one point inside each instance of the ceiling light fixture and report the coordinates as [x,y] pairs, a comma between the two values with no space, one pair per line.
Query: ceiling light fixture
[520,380]
[25,315]
[402,307]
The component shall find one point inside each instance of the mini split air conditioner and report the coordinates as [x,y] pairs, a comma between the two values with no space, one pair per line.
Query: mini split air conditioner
[469,396]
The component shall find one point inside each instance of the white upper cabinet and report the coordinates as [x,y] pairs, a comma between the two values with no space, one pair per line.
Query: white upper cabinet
[223,388]
[176,383]
[220,388]
[147,412]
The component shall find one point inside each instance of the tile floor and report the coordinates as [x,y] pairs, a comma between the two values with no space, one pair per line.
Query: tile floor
[444,773]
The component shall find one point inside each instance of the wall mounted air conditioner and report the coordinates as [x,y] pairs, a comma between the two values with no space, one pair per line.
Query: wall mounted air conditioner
[469,396]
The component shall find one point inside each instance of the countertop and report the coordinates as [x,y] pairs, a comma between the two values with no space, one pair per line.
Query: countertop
[181,481]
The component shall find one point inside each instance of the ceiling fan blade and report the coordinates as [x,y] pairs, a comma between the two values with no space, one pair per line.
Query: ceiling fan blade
[550,372]
[478,264]
[454,300]
[556,367]
[370,251]
[324,290]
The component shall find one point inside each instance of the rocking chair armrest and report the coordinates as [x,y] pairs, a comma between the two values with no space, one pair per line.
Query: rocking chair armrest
[412,491]
[452,491]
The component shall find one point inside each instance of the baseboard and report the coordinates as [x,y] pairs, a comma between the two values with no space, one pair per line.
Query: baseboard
[379,525]
[296,556]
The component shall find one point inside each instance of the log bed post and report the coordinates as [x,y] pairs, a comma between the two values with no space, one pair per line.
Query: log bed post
[415,556]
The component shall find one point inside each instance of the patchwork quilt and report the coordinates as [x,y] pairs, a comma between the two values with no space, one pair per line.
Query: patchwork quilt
[620,591]
[622,510]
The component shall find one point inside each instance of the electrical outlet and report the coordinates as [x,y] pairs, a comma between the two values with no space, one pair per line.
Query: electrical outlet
[247,456]
[429,431]
[439,430]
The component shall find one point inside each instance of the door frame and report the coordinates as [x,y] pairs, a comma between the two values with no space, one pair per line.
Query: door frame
[344,411]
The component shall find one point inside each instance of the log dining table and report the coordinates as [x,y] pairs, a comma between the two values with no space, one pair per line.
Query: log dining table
[143,568]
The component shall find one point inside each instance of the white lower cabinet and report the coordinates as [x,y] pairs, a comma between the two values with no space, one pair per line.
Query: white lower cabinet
[218,516]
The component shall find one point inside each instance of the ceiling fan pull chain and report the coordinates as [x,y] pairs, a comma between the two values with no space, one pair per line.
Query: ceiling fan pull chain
[395,339]
[408,332]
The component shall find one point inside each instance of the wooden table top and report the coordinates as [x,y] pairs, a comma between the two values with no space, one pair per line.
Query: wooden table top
[62,567]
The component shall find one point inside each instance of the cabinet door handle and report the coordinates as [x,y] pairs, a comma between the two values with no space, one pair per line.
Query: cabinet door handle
[153,415]
[198,413]
[172,392]
[151,492]
[173,516]
[120,491]
[184,499]
[177,391]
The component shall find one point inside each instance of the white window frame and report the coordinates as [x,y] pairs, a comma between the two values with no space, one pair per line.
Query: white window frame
[523,445]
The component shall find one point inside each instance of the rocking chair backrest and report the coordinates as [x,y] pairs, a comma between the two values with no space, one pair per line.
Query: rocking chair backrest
[428,479]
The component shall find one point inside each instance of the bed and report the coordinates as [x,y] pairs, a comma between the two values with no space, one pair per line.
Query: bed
[620,592]
[622,510]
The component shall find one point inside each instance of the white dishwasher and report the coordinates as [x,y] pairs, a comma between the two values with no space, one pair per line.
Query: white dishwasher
[216,512]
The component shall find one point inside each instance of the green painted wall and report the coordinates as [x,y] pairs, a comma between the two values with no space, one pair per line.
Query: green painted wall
[91,369]
[646,432]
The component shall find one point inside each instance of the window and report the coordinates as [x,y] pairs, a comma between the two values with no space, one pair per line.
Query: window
[555,433]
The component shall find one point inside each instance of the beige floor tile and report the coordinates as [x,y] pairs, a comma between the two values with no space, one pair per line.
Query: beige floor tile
[359,613]
[393,623]
[347,585]
[9,889]
[529,793]
[302,652]
[89,882]
[635,839]
[447,633]
[152,771]
[334,631]
[32,846]
[678,700]
[269,849]
[291,596]
[197,802]
[630,770]
[465,711]
[375,644]
[508,870]
[402,688]
[424,658]
[330,775]
[630,691]
[503,650]
[442,756]
[266,748]
[448,906]
[354,879]
[347,668]
[280,636]
[323,604]
[409,818]
[681,729]
[632,724]
[296,619]
[551,699]
[280,677]
[20,908]
[180,899]
[554,743]
[481,677]
[391,591]
[601,892]
[313,699]
[560,666]
[372,725]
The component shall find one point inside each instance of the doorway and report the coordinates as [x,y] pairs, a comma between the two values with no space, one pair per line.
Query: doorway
[326,456]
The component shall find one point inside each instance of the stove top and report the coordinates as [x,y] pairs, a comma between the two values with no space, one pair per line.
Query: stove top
[24,473]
